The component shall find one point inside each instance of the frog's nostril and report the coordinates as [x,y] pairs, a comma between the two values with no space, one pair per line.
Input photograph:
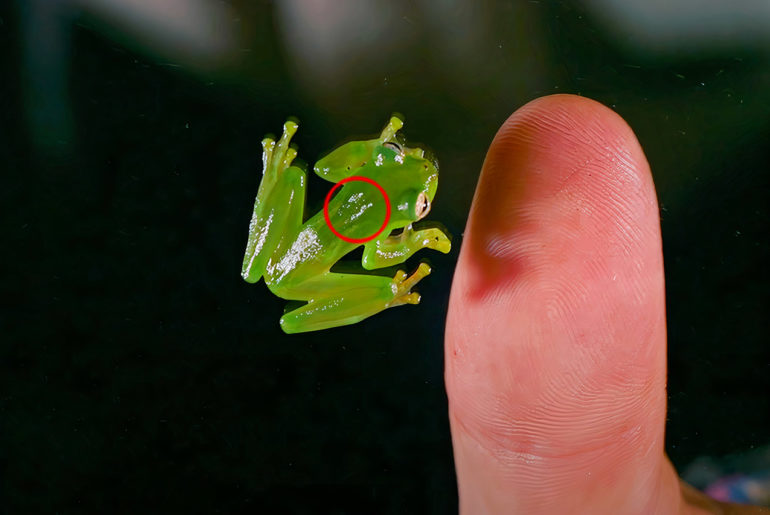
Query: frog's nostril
[431,158]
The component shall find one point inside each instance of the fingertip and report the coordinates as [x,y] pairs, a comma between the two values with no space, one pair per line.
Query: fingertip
[564,161]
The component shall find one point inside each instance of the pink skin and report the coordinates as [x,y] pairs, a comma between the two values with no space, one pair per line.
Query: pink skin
[556,334]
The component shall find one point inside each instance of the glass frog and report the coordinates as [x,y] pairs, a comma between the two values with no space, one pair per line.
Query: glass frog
[295,256]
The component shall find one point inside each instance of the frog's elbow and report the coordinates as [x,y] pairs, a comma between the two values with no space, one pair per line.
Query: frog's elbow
[251,278]
[249,272]
[367,261]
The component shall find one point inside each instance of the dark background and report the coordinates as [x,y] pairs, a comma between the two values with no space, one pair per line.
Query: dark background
[140,371]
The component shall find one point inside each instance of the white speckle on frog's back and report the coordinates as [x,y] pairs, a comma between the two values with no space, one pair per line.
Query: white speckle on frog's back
[355,197]
[353,202]
[361,211]
[305,246]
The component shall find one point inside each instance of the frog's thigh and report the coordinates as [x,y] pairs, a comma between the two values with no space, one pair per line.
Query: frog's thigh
[339,299]
[279,214]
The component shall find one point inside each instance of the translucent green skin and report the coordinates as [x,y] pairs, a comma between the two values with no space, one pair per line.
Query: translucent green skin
[295,258]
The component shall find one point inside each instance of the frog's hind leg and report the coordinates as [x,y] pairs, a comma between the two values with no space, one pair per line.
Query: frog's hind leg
[351,298]
[279,206]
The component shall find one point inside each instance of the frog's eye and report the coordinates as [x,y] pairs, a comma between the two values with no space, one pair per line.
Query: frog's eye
[393,146]
[422,208]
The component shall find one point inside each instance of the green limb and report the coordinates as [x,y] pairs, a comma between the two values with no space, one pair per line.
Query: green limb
[274,220]
[276,157]
[394,250]
[352,298]
[282,185]
[390,130]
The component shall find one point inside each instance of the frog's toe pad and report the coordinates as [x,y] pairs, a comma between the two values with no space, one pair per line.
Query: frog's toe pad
[403,285]
[410,298]
[399,277]
[422,271]
[439,242]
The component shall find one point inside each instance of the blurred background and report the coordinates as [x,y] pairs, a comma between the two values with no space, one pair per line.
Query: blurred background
[140,371]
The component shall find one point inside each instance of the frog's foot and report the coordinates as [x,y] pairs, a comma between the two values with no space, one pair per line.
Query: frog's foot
[402,284]
[432,238]
[277,157]
[390,130]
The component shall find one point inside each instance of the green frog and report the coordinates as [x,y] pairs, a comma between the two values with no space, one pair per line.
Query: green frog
[382,188]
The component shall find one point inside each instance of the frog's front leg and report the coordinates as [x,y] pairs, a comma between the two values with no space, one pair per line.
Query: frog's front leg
[342,299]
[394,250]
[279,205]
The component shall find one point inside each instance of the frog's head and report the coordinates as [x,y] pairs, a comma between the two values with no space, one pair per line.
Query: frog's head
[349,158]
[409,174]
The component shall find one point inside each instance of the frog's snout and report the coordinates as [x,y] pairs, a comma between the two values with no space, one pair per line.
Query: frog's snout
[428,156]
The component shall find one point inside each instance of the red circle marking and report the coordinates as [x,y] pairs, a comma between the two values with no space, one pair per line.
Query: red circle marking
[329,197]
